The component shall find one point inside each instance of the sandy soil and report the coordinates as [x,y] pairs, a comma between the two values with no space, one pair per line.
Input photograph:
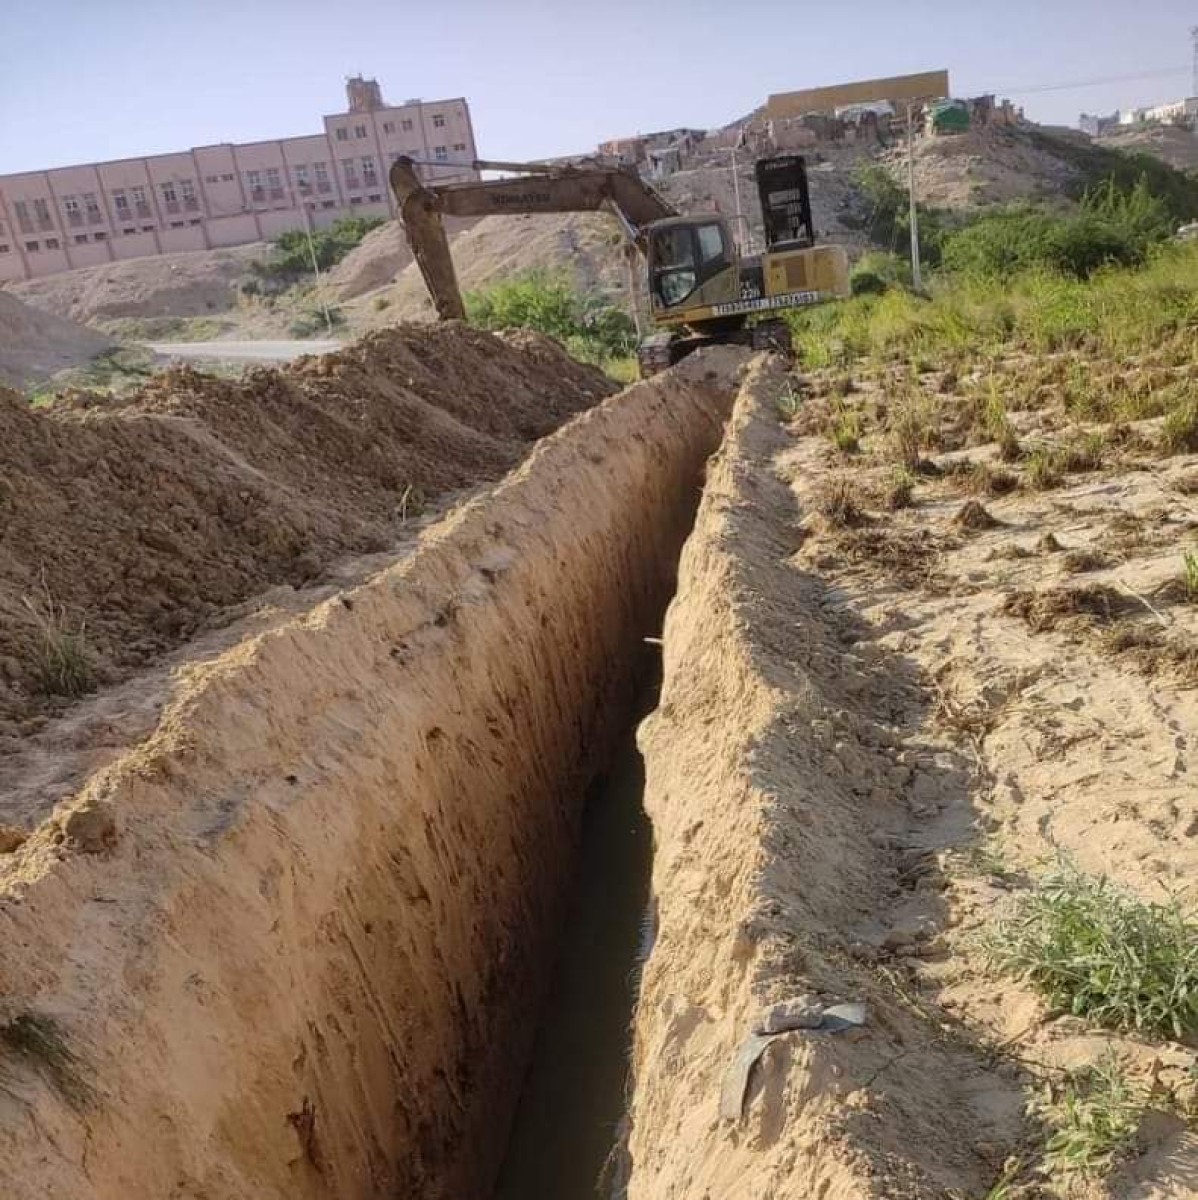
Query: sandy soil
[873,735]
[290,945]
[34,345]
[1170,143]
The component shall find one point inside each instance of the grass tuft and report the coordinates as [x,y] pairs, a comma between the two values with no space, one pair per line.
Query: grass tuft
[1094,1117]
[62,658]
[1190,575]
[838,503]
[1098,952]
[1179,430]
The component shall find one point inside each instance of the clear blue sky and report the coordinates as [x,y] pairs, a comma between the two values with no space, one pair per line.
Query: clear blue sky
[95,79]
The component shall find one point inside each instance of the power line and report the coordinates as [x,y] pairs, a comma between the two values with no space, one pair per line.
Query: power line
[1077,84]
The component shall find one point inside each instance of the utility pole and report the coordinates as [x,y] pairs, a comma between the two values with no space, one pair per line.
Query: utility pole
[736,194]
[1194,39]
[328,320]
[916,272]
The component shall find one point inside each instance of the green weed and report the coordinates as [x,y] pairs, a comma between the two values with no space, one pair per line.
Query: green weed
[1190,575]
[1098,952]
[1179,430]
[62,659]
[1093,1117]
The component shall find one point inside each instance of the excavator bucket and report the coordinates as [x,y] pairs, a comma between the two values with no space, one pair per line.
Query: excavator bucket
[420,215]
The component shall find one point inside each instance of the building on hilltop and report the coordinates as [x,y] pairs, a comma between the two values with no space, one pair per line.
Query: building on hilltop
[228,194]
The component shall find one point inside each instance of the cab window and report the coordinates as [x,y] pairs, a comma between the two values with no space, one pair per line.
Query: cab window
[711,244]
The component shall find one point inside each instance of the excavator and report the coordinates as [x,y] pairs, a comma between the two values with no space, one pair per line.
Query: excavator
[700,288]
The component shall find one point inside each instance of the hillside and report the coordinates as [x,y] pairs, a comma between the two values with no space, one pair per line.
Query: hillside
[1171,144]
[34,345]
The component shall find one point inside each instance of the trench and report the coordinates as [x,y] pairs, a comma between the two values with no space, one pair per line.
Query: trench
[567,1121]
[359,841]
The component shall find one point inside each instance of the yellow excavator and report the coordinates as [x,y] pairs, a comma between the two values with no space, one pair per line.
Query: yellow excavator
[700,289]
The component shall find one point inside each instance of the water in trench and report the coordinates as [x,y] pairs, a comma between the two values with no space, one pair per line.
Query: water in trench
[573,1098]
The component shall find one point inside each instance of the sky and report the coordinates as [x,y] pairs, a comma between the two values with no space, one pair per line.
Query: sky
[86,80]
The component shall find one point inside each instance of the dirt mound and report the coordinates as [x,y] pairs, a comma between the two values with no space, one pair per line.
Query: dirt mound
[124,528]
[175,285]
[33,345]
[987,166]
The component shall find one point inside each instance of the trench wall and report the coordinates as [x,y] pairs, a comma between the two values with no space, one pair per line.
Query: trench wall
[291,946]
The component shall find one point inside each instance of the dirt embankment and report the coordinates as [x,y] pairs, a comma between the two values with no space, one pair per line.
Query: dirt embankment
[777,810]
[34,345]
[192,284]
[125,528]
[884,725]
[289,947]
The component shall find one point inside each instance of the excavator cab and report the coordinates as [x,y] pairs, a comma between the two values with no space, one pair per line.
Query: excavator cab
[692,263]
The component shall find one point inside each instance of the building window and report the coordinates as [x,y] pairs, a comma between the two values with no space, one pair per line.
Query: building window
[100,236]
[211,178]
[52,243]
[4,248]
[187,189]
[322,172]
[440,153]
[92,206]
[406,125]
[22,211]
[42,211]
[350,171]
[139,200]
[178,224]
[195,221]
[147,229]
[328,204]
[460,147]
[342,134]
[128,230]
[388,126]
[32,247]
[375,199]
[70,205]
[254,179]
[355,199]
[169,194]
[300,173]
[360,131]
[80,239]
[120,201]
[438,121]
[368,171]
[226,178]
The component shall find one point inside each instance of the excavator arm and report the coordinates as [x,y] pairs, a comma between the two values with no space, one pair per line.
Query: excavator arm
[538,189]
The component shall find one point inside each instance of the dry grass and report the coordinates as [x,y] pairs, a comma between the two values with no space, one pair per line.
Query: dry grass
[1179,430]
[63,661]
[1078,562]
[1047,609]
[973,517]
[839,502]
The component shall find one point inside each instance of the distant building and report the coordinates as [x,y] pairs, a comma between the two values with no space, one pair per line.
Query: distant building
[1177,112]
[1096,126]
[897,90]
[227,194]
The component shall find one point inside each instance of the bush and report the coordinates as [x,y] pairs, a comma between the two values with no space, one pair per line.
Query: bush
[1098,952]
[547,301]
[290,257]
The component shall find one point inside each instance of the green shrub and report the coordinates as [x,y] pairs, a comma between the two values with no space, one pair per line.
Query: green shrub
[290,257]
[1098,952]
[547,301]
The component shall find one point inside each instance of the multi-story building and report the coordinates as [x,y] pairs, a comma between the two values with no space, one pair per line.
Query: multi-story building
[228,194]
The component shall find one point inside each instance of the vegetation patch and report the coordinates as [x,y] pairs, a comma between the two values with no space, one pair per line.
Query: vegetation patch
[1096,951]
[1093,1119]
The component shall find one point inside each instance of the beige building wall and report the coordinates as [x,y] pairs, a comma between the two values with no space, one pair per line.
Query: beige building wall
[898,89]
[227,194]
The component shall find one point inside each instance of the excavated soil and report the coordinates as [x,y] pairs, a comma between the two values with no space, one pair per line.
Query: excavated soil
[292,944]
[129,526]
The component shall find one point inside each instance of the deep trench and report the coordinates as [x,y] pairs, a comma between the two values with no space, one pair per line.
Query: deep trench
[567,1123]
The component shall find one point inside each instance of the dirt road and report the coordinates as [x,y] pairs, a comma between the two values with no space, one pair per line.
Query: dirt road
[257,352]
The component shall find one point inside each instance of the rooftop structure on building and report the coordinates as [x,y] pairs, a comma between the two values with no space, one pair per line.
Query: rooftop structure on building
[229,194]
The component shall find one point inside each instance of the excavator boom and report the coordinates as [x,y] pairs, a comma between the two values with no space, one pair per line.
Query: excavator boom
[539,190]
